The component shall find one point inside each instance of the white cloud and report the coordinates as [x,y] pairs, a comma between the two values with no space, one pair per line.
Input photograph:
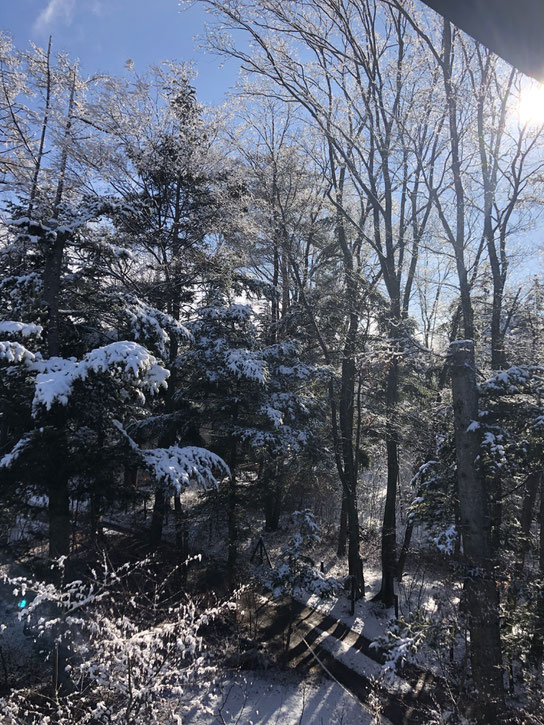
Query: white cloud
[55,11]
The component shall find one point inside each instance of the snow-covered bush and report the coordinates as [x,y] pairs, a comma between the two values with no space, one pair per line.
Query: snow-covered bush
[127,654]
[402,641]
[294,572]
[429,634]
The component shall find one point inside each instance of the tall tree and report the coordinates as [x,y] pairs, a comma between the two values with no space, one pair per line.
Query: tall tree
[362,93]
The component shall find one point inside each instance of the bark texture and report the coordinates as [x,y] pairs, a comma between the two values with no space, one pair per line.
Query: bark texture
[480,588]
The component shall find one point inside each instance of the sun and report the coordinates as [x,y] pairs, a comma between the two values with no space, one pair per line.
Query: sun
[531,105]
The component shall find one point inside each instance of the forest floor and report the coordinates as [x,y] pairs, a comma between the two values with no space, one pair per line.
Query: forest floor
[329,673]
[331,644]
[281,698]
[286,695]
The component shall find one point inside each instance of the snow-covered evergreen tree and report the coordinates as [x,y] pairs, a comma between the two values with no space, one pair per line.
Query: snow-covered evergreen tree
[248,394]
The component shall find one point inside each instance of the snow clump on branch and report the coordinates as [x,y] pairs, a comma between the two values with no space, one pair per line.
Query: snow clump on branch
[57,376]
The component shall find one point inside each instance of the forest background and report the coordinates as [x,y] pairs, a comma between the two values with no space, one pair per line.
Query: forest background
[267,301]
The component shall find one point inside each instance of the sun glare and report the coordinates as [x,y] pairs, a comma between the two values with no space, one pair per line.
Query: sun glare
[531,104]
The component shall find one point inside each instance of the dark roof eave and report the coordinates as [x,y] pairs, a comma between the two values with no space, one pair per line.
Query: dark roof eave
[512,29]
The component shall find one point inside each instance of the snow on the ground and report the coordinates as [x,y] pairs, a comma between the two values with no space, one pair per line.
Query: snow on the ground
[357,661]
[418,590]
[280,699]
[369,619]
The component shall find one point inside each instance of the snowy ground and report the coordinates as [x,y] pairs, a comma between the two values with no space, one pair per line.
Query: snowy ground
[280,699]
[247,698]
[275,697]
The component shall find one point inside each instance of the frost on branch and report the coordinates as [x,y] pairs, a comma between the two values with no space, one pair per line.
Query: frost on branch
[447,539]
[402,642]
[147,324]
[517,379]
[225,339]
[20,447]
[245,365]
[14,352]
[10,328]
[131,656]
[126,360]
[177,467]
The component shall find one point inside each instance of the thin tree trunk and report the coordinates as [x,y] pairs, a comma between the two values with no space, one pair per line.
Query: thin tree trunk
[45,122]
[59,515]
[405,548]
[526,517]
[498,356]
[273,498]
[96,518]
[537,644]
[489,165]
[347,394]
[182,533]
[342,413]
[458,240]
[389,531]
[343,530]
[57,479]
[231,516]
[495,492]
[58,482]
[275,295]
[276,262]
[157,518]
[182,537]
[284,276]
[354,557]
[347,400]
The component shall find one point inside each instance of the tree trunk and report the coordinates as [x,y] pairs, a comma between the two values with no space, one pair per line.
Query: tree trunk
[346,403]
[481,592]
[57,485]
[51,291]
[168,438]
[284,277]
[405,548]
[59,515]
[343,530]
[389,531]
[342,413]
[537,644]
[526,518]
[458,239]
[182,537]
[157,519]
[498,356]
[347,394]
[495,491]
[273,498]
[355,562]
[275,295]
[231,517]
[182,533]
[45,122]
[96,518]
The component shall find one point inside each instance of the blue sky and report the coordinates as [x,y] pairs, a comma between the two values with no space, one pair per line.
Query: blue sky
[104,34]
